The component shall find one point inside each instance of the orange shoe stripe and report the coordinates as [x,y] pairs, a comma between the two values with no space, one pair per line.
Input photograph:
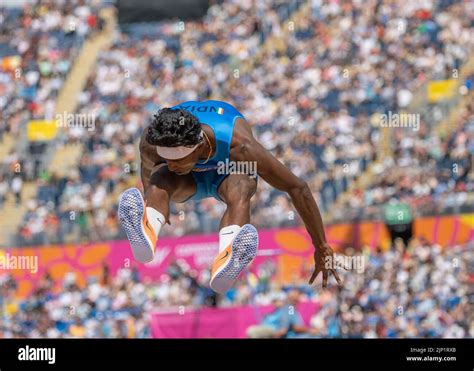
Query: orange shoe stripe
[219,260]
[149,230]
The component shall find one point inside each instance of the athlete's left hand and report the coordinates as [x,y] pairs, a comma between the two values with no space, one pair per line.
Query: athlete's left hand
[322,264]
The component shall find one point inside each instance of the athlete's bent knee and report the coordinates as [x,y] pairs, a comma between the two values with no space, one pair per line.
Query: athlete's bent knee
[242,191]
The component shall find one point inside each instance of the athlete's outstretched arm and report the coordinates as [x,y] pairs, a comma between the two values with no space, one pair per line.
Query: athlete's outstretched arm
[280,177]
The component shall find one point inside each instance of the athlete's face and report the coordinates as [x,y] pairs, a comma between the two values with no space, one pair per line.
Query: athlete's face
[184,165]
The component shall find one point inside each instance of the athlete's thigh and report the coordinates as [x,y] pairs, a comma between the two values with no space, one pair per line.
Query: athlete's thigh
[179,187]
[237,187]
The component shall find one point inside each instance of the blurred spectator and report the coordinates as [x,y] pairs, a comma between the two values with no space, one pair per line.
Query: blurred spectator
[284,322]
[16,187]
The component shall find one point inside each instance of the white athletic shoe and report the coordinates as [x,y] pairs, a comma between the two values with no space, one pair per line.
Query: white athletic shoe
[133,218]
[231,261]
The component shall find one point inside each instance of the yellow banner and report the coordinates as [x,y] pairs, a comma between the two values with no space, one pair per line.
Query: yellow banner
[441,90]
[41,130]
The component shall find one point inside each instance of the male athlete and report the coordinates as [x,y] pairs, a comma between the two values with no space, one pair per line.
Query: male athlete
[181,152]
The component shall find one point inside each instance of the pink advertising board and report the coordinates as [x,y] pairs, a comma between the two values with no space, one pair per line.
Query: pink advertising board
[216,322]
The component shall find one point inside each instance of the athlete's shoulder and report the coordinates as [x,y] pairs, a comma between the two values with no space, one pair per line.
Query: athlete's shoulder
[242,136]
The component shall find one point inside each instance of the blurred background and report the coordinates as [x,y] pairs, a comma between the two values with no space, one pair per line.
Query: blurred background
[317,80]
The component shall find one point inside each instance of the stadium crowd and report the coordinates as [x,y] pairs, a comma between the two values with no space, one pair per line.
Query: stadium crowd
[38,44]
[417,291]
[430,171]
[310,93]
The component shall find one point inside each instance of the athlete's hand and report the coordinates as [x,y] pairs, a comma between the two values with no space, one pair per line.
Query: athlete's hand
[325,265]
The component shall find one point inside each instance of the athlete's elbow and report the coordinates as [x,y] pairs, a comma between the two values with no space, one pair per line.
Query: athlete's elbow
[300,189]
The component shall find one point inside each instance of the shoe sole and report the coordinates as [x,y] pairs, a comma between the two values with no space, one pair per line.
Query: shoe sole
[130,212]
[244,250]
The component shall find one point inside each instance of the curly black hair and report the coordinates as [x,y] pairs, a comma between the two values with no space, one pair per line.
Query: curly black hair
[173,127]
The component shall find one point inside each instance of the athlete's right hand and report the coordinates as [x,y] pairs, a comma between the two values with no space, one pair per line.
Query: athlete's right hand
[321,255]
